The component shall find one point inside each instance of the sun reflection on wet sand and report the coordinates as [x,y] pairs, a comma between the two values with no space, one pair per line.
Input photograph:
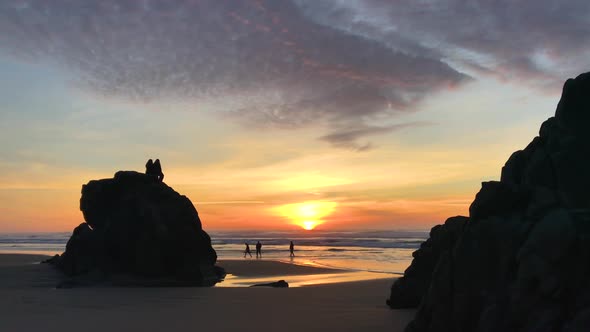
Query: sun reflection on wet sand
[304,280]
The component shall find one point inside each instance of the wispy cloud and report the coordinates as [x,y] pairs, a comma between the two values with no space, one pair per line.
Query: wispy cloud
[230,202]
[537,42]
[347,138]
[262,62]
[296,63]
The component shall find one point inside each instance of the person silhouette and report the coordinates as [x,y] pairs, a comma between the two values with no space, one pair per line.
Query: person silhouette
[149,167]
[158,170]
[258,249]
[247,251]
[291,250]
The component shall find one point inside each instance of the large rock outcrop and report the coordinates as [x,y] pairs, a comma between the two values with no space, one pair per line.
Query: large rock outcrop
[138,231]
[521,261]
[407,292]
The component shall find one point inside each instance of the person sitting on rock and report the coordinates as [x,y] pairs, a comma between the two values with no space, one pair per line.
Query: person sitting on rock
[158,170]
[149,167]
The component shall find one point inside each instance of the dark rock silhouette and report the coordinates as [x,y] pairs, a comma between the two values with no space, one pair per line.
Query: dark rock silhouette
[276,284]
[521,261]
[138,231]
[407,292]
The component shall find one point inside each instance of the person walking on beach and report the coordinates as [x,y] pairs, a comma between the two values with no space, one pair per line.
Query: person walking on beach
[291,250]
[258,250]
[247,251]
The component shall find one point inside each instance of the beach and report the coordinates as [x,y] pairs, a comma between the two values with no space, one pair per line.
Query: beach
[29,301]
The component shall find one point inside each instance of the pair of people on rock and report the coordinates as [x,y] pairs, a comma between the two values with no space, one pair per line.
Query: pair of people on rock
[154,168]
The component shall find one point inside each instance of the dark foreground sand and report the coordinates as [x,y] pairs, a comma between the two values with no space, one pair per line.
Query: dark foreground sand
[29,302]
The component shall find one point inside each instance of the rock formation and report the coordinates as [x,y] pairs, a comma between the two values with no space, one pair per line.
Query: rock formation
[521,261]
[276,284]
[138,231]
[407,292]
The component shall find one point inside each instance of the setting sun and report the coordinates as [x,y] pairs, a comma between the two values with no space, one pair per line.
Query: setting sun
[309,224]
[307,215]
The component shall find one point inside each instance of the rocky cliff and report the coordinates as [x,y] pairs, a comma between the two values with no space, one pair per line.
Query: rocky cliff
[138,231]
[521,261]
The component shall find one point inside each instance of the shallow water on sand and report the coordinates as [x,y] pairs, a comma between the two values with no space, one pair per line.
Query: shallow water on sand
[303,280]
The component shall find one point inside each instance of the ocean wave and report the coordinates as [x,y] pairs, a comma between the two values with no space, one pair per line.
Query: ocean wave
[350,242]
[395,239]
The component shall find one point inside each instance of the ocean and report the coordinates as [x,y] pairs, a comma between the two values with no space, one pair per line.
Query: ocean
[371,251]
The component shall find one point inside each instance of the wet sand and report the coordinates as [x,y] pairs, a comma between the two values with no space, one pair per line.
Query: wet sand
[243,273]
[30,302]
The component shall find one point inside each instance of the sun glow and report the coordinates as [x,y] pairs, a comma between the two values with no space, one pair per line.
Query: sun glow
[307,215]
[309,224]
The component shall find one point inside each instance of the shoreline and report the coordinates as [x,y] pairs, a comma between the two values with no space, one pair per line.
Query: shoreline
[247,272]
[31,302]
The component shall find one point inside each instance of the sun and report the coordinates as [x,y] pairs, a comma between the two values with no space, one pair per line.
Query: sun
[307,215]
[308,225]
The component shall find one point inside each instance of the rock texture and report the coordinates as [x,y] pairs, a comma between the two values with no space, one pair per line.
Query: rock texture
[138,231]
[407,292]
[521,261]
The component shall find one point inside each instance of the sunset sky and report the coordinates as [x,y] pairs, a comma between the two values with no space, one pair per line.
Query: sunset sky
[354,114]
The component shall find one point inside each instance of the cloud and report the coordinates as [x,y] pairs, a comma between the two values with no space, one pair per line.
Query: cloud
[348,138]
[296,63]
[262,62]
[338,64]
[537,42]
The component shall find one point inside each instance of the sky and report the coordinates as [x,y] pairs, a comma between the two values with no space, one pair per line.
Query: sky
[277,114]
